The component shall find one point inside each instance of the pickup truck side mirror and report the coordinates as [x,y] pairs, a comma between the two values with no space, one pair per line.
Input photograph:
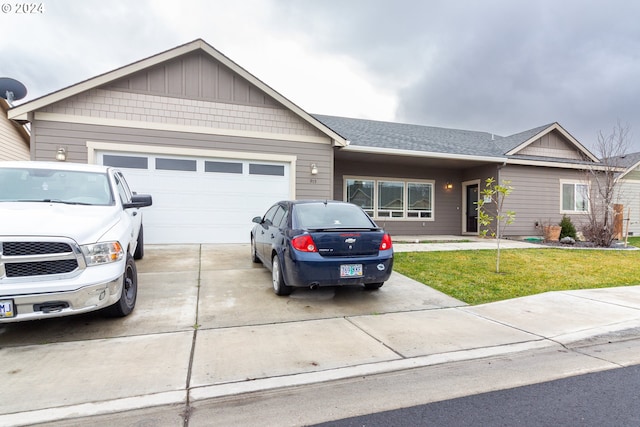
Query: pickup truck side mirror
[139,201]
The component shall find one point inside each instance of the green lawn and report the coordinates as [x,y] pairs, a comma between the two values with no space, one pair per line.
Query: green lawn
[470,275]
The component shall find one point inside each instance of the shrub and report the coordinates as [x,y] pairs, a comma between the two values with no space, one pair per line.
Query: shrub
[568,229]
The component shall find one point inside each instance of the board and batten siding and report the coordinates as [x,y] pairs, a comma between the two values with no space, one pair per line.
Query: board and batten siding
[552,144]
[447,203]
[536,197]
[195,75]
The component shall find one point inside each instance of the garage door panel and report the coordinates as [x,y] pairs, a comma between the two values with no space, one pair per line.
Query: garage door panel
[205,206]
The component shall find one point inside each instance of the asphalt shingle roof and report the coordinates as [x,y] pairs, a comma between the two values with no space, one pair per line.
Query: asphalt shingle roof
[371,133]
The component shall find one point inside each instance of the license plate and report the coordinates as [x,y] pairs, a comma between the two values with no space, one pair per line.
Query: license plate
[6,308]
[351,270]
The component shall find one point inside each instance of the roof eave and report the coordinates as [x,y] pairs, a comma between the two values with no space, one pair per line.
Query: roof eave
[21,112]
[425,154]
[554,126]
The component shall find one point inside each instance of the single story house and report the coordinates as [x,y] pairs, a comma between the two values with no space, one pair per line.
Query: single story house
[629,192]
[216,146]
[14,138]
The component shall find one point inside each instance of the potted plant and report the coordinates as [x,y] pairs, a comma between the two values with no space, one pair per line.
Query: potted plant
[551,231]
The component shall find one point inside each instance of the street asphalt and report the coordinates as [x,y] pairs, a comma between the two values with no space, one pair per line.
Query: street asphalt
[208,326]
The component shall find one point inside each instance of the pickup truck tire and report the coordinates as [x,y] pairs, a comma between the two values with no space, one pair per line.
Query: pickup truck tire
[139,253]
[127,300]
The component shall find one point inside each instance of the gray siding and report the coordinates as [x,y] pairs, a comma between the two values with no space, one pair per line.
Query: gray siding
[552,144]
[50,135]
[536,197]
[447,203]
[195,76]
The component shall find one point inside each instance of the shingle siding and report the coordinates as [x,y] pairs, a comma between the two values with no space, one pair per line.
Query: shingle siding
[116,105]
[551,145]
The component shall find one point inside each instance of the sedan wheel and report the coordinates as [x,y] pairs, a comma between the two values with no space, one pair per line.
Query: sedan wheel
[254,252]
[279,287]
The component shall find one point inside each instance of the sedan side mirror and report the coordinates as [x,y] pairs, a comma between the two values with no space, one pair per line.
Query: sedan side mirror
[257,220]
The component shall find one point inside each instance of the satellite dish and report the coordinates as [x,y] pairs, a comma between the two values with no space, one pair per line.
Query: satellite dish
[11,89]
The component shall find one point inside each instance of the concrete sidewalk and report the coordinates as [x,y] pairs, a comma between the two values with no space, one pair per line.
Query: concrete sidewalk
[208,326]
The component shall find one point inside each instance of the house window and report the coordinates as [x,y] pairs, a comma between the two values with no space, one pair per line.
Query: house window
[419,200]
[575,197]
[391,198]
[360,192]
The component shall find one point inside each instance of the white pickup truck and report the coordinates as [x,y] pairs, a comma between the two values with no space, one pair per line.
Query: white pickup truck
[69,234]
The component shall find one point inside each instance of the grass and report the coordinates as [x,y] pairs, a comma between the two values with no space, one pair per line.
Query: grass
[470,275]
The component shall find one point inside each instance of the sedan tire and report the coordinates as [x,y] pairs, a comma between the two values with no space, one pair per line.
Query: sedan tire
[279,287]
[254,252]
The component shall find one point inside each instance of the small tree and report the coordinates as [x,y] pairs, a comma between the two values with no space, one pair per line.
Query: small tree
[611,150]
[568,229]
[491,214]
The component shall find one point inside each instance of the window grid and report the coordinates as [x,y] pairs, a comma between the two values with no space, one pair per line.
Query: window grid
[413,201]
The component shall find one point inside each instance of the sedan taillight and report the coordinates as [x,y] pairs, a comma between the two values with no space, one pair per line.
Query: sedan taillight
[304,243]
[386,242]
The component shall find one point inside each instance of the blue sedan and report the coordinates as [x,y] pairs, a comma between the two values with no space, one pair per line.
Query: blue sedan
[321,243]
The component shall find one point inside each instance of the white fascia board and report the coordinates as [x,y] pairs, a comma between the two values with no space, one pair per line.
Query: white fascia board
[426,154]
[566,134]
[488,159]
[561,165]
[628,170]
[337,139]
[21,112]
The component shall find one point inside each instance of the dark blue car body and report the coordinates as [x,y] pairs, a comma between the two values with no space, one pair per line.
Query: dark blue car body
[321,243]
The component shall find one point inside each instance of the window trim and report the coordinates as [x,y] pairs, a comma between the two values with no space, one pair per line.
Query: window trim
[575,183]
[405,201]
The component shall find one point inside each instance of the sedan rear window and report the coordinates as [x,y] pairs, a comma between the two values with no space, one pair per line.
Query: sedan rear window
[330,215]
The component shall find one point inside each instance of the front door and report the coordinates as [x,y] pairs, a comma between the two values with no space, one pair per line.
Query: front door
[471,214]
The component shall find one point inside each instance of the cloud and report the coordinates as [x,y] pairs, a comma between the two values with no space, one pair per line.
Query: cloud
[495,66]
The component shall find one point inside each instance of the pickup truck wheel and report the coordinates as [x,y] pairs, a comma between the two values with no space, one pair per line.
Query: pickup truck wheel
[279,287]
[127,300]
[139,253]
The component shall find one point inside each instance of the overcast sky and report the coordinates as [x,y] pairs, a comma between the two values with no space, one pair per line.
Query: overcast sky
[495,66]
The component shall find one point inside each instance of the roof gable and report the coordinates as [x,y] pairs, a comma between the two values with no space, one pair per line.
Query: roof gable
[195,75]
[146,75]
[547,141]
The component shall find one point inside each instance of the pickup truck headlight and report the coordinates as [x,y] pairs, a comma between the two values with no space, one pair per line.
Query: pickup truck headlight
[102,253]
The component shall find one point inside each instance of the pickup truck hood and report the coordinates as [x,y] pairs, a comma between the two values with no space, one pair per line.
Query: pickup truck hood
[84,224]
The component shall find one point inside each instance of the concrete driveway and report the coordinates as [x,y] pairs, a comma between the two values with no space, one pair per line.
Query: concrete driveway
[205,315]
[207,324]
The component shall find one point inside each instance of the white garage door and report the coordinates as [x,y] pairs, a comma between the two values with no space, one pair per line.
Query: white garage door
[201,200]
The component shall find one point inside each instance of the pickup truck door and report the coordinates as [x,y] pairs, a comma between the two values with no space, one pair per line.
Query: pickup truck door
[125,195]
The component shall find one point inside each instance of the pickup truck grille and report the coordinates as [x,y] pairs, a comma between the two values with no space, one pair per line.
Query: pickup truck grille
[34,248]
[25,258]
[23,269]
